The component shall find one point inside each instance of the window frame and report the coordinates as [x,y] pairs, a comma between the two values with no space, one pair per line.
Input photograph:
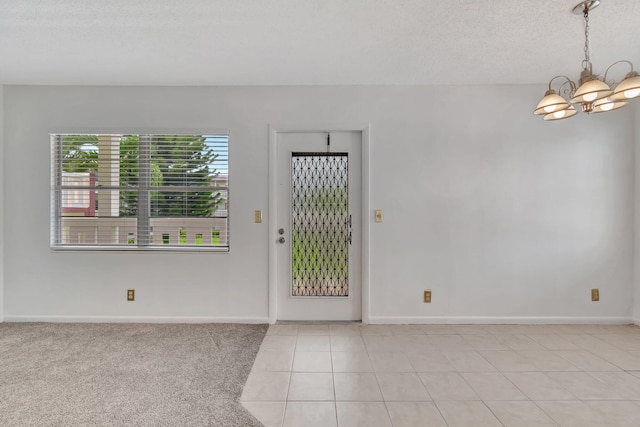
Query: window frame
[56,217]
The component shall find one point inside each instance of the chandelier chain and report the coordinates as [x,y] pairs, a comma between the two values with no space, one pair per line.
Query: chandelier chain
[586,36]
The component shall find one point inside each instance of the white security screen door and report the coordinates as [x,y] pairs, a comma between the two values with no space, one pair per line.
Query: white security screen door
[318,220]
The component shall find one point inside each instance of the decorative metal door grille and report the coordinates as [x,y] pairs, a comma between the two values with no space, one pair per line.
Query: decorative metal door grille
[320,224]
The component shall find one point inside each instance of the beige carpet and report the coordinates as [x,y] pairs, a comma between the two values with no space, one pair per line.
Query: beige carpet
[125,374]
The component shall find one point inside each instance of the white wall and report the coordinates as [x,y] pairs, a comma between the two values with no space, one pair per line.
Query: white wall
[1,205]
[636,298]
[500,214]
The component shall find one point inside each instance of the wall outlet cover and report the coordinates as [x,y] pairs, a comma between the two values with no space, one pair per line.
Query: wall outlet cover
[427,296]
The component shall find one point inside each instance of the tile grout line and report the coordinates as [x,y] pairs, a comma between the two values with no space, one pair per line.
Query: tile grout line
[514,385]
[286,400]
[440,412]
[493,413]
[544,412]
[375,375]
[333,379]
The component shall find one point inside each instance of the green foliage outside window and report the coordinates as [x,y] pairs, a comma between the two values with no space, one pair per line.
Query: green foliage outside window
[175,160]
[215,236]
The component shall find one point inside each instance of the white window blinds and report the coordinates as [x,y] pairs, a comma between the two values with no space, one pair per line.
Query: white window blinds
[140,191]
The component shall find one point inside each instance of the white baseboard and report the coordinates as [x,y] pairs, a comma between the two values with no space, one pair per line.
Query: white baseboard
[533,320]
[374,320]
[133,319]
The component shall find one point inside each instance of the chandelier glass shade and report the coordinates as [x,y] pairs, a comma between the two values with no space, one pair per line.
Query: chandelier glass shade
[591,90]
[629,88]
[592,93]
[561,114]
[606,104]
[551,102]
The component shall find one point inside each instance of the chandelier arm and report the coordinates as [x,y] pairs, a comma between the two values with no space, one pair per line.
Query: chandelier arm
[567,80]
[567,91]
[615,63]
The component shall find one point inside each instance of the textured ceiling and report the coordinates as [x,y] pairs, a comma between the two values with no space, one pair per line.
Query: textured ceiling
[309,42]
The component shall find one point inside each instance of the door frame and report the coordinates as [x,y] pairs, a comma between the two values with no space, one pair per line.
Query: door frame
[365,131]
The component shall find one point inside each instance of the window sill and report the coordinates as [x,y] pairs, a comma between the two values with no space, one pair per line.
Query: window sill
[178,249]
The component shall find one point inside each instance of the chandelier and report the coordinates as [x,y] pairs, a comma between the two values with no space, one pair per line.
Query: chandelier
[592,94]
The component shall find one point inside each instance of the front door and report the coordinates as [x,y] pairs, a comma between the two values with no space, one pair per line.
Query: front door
[318,220]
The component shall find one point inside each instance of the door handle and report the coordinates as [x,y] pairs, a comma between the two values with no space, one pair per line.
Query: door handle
[280,240]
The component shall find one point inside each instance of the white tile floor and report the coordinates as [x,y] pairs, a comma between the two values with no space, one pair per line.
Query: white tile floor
[347,375]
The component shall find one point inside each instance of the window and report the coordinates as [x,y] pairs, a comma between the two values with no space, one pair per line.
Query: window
[119,191]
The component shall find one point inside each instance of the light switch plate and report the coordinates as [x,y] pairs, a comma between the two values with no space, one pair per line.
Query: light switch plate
[379,215]
[257,216]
